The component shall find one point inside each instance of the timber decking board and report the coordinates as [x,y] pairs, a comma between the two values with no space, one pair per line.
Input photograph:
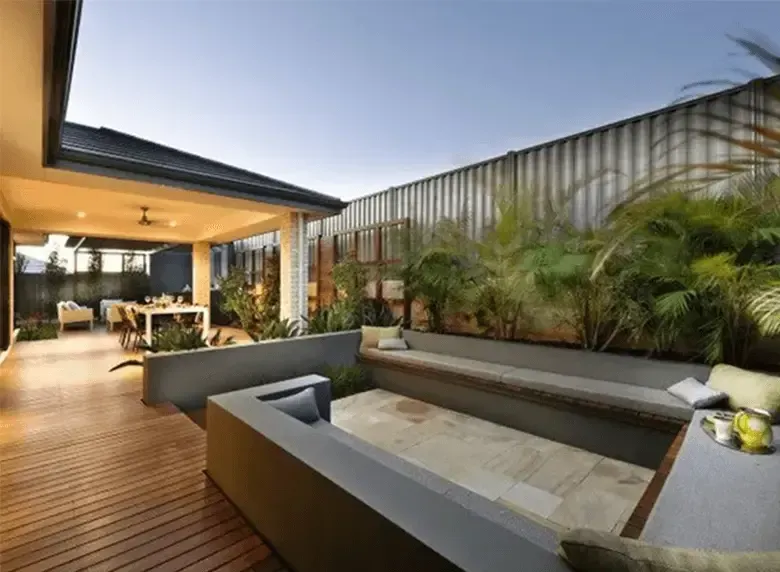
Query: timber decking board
[91,478]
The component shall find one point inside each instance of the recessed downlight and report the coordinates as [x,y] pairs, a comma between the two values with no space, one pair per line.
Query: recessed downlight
[81,214]
[172,223]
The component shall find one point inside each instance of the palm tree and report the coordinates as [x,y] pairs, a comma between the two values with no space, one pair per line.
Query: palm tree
[702,258]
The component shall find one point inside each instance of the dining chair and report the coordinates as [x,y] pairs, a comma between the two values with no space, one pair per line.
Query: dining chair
[135,334]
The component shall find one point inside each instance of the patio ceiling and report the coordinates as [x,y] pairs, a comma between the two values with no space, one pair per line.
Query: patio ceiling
[79,180]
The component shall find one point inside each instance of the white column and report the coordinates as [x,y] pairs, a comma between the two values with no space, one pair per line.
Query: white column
[293,267]
[201,273]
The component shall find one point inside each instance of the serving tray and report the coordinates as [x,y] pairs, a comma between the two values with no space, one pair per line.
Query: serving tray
[734,443]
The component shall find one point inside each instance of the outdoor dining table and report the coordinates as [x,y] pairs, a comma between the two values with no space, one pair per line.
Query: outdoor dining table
[149,311]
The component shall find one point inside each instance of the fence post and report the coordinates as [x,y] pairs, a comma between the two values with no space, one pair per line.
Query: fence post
[334,238]
[407,299]
[378,259]
[318,269]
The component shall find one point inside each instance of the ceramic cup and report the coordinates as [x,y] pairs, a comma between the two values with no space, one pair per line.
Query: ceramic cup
[724,427]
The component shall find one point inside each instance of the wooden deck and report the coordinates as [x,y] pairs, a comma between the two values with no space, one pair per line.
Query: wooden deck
[91,478]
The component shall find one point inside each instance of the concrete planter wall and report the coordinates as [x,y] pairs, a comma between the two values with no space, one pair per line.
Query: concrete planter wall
[186,379]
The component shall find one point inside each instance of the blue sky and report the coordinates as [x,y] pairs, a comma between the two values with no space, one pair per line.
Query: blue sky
[351,97]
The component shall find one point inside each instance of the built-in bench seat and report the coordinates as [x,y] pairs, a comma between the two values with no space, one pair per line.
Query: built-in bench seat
[718,499]
[640,399]
[613,405]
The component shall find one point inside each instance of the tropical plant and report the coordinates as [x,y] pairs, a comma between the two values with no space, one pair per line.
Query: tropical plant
[703,258]
[279,329]
[432,267]
[177,337]
[55,275]
[351,278]
[239,300]
[94,274]
[35,328]
[498,287]
[337,317]
[270,291]
[347,380]
[377,312]
[598,309]
[765,309]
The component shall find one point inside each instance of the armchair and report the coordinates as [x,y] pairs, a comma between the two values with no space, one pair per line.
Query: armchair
[72,313]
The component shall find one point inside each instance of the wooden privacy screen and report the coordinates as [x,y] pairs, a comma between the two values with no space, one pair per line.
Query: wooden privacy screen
[374,245]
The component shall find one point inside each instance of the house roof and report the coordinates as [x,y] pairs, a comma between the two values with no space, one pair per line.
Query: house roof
[129,156]
[112,153]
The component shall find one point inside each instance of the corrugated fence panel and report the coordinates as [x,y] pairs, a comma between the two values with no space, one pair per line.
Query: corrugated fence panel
[587,174]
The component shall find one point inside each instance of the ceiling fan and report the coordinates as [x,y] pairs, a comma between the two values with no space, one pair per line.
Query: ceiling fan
[146,221]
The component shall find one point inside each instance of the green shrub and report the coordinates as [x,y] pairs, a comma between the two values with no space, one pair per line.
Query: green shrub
[348,380]
[34,329]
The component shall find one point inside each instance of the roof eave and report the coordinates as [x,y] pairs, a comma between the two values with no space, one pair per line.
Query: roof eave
[111,166]
[61,22]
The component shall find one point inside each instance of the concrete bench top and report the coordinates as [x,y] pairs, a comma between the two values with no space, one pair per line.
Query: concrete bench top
[716,498]
[632,397]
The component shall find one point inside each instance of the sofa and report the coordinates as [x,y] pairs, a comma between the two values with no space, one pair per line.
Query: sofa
[71,313]
[325,500]
[609,404]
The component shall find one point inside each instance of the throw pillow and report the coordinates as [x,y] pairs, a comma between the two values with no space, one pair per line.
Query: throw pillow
[301,405]
[747,388]
[394,344]
[696,394]
[370,335]
[71,305]
[594,551]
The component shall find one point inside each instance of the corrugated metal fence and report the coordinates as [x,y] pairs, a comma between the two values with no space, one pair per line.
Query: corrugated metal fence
[602,164]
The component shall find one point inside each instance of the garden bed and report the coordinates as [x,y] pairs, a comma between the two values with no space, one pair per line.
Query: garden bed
[37,330]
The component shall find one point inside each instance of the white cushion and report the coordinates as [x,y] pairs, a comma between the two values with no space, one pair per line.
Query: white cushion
[71,305]
[392,344]
[696,394]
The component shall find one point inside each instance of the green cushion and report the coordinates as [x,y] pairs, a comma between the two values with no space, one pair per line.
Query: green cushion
[594,551]
[746,388]
[370,335]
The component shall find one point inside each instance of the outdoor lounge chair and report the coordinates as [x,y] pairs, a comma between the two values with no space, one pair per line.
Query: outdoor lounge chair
[72,313]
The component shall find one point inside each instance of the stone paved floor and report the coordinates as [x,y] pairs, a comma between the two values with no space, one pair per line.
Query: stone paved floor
[567,487]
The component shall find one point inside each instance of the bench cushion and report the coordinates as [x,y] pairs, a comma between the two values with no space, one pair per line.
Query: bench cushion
[593,551]
[634,398]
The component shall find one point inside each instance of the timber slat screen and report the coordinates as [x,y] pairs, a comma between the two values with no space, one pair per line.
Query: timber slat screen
[374,245]
[93,479]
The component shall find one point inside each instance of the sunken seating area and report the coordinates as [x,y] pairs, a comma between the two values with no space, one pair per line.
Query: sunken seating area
[325,500]
[612,405]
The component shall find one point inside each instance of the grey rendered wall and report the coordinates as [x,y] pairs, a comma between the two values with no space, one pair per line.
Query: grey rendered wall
[325,506]
[655,374]
[186,379]
[629,443]
[601,164]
